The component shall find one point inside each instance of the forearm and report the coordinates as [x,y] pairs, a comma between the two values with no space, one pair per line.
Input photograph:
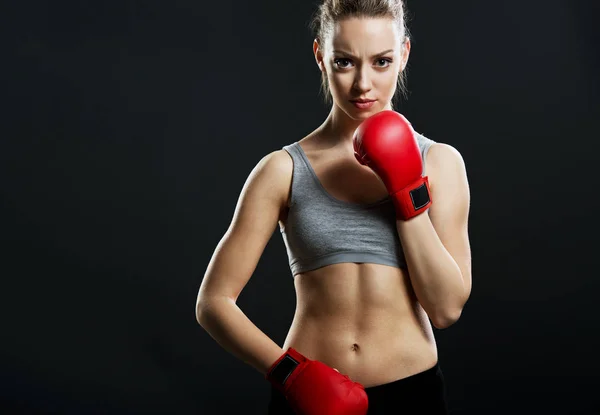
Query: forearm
[435,276]
[225,322]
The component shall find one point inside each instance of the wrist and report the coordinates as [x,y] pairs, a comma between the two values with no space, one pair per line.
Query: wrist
[280,372]
[410,226]
[269,360]
[413,199]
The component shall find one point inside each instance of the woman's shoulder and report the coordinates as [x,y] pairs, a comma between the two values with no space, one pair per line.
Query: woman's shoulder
[272,175]
[276,163]
[430,147]
[424,140]
[439,155]
[439,146]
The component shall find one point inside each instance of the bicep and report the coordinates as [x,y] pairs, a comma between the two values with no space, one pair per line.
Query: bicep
[449,211]
[254,221]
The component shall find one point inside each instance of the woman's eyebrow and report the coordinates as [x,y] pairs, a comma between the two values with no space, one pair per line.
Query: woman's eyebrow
[352,56]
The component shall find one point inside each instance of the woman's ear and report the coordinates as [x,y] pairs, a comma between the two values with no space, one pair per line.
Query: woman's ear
[318,52]
[405,54]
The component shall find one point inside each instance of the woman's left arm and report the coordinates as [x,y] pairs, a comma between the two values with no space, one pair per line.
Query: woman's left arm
[436,246]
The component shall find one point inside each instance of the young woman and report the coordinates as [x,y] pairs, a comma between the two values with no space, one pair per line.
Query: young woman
[370,282]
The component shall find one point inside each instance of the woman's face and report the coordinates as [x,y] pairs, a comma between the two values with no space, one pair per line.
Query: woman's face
[362,59]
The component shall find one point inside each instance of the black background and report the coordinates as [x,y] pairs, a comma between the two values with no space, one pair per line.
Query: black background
[129,129]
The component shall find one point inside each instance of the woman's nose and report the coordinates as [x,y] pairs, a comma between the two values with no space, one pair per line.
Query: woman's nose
[362,81]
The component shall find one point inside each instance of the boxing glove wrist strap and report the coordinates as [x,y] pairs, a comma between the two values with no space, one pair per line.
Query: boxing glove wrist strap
[283,368]
[412,200]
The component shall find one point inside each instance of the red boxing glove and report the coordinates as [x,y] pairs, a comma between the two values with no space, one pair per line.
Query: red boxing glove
[386,143]
[313,388]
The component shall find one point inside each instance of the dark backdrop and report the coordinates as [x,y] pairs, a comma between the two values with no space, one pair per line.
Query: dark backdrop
[129,129]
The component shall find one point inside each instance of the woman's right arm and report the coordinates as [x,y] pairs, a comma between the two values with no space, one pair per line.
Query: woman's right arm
[259,207]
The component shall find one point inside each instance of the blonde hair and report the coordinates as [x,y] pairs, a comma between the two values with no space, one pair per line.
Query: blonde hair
[332,11]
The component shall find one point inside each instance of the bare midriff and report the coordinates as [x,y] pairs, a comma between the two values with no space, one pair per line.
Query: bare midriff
[363,320]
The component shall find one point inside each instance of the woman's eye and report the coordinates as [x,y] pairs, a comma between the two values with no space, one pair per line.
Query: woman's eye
[384,62]
[341,62]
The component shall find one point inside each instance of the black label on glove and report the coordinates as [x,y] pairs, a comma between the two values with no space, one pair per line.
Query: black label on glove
[419,196]
[283,370]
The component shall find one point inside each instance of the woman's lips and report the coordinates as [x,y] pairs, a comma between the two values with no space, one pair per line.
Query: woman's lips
[363,105]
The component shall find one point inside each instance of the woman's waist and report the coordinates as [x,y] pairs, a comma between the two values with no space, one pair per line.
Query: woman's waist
[370,332]
[382,351]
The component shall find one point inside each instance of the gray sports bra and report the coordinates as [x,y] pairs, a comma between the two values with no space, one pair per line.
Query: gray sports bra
[321,230]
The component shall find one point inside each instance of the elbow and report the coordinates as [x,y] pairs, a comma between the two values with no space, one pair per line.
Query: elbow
[199,313]
[445,320]
[448,316]
[201,307]
[206,306]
